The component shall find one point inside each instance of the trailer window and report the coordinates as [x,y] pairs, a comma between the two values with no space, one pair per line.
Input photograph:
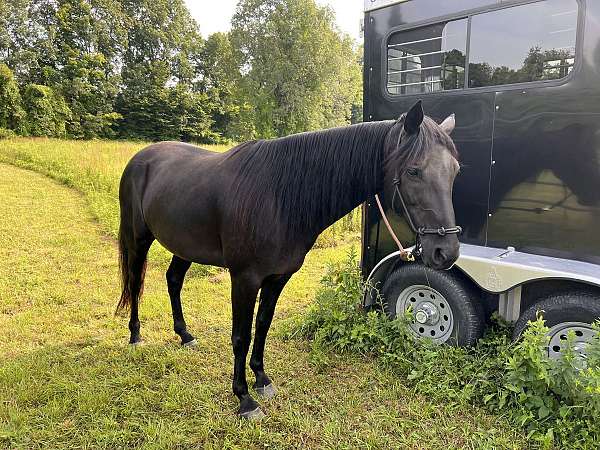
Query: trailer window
[427,59]
[532,42]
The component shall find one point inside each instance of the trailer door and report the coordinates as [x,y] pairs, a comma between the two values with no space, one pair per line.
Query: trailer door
[428,63]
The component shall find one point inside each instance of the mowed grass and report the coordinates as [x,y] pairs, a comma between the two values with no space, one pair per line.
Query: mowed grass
[68,379]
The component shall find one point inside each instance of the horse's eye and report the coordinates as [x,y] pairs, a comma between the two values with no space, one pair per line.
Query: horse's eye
[413,172]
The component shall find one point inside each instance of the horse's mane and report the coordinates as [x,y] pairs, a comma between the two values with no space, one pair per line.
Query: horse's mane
[317,177]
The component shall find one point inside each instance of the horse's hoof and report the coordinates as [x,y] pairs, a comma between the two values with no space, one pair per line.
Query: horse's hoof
[267,392]
[136,344]
[255,414]
[192,343]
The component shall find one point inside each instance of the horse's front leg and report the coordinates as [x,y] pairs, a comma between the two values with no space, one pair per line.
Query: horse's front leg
[244,288]
[269,294]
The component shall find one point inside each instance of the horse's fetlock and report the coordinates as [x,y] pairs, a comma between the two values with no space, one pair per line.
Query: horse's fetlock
[180,327]
[134,326]
[256,365]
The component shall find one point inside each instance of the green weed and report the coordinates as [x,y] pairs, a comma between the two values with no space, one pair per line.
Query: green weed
[555,402]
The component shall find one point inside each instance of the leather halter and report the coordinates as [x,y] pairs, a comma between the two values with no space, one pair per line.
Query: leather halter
[410,255]
[442,231]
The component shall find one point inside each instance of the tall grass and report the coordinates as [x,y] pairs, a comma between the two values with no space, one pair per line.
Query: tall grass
[94,168]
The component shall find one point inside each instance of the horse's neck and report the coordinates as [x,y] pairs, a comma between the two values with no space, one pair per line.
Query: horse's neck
[362,181]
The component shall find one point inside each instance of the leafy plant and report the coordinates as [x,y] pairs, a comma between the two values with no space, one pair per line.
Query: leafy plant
[556,401]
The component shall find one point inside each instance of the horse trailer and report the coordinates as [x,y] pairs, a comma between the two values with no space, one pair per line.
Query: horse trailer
[523,80]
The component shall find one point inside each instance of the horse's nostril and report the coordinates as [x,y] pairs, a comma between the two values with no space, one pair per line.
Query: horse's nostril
[439,256]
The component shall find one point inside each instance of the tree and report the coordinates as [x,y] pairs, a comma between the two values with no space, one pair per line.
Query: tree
[12,114]
[160,66]
[299,72]
[87,58]
[220,80]
[47,111]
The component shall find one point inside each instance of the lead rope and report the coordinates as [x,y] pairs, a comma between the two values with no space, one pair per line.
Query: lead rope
[405,255]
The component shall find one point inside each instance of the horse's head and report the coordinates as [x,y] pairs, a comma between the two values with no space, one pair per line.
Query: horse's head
[420,168]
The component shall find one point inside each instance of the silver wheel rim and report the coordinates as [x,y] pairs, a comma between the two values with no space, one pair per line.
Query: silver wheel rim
[584,333]
[431,312]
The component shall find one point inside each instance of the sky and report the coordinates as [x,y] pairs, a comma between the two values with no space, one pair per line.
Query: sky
[216,15]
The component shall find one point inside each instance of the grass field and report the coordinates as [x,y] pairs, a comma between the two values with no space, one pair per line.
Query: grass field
[68,379]
[95,167]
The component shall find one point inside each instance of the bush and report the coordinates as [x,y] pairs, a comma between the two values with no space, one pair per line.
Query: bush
[47,112]
[6,134]
[12,114]
[556,402]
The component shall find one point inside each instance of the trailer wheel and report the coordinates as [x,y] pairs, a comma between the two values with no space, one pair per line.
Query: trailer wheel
[575,311]
[445,308]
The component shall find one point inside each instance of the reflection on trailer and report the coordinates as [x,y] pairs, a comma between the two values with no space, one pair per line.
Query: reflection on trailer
[523,79]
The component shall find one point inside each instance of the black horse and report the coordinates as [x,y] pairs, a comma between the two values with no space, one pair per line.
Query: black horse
[258,209]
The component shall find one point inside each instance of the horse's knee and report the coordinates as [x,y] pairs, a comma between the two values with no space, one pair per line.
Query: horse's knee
[240,345]
[261,321]
[256,364]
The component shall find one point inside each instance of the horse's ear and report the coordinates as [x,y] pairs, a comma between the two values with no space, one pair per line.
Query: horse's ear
[414,118]
[448,124]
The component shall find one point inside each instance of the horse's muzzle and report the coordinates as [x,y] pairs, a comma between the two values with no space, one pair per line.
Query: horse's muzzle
[440,252]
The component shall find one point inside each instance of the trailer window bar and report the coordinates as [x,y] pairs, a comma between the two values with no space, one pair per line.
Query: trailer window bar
[394,85]
[422,40]
[391,72]
[566,30]
[415,56]
[564,13]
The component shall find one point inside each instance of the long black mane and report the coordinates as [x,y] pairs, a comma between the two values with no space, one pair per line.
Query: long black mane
[317,177]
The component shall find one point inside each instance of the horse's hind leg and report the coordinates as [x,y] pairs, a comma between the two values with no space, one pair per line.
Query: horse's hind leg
[175,276]
[136,266]
[269,294]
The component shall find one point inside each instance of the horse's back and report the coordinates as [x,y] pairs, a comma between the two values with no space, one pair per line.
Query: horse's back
[171,151]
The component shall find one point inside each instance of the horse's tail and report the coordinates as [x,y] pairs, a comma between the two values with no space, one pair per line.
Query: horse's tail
[125,300]
[132,255]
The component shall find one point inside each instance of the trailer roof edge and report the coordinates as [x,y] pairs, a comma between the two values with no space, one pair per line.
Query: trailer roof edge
[371,5]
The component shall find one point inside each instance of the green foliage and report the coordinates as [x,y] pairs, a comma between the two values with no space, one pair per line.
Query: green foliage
[6,134]
[220,81]
[12,114]
[556,402]
[159,100]
[140,69]
[47,112]
[300,73]
[154,112]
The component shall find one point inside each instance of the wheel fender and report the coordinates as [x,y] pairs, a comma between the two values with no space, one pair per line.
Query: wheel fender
[378,275]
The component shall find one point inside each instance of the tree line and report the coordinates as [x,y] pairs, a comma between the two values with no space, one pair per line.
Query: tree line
[140,69]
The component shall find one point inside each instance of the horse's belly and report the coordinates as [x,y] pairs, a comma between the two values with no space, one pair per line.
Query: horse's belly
[199,249]
[188,232]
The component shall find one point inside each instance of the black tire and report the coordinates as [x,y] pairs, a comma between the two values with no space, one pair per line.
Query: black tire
[466,307]
[561,308]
